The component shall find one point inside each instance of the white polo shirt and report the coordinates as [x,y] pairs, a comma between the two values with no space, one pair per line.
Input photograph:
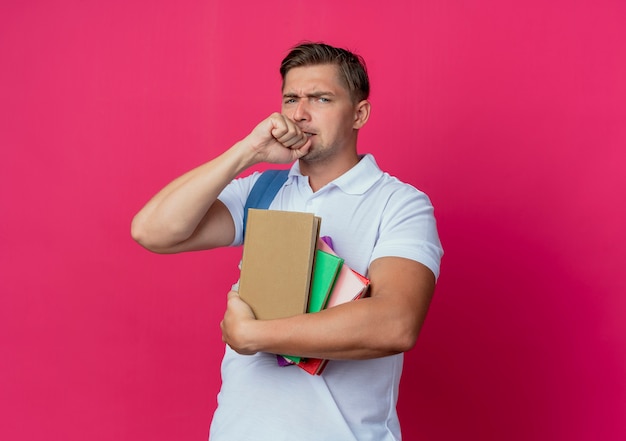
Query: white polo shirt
[368,214]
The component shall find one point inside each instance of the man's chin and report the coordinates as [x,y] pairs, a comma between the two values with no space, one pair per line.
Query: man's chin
[310,152]
[313,156]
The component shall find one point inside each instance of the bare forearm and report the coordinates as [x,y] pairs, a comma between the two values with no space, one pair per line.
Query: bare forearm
[360,330]
[367,328]
[183,216]
[174,213]
[386,323]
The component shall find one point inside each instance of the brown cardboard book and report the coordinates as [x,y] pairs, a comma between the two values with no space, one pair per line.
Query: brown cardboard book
[277,262]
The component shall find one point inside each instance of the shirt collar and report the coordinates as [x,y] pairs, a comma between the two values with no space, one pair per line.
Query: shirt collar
[355,181]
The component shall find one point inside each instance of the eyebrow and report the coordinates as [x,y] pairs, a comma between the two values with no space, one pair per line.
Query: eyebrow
[308,95]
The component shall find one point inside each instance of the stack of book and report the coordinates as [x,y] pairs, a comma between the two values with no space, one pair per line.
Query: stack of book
[287,269]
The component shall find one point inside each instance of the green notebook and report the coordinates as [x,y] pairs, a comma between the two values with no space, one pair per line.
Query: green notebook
[325,270]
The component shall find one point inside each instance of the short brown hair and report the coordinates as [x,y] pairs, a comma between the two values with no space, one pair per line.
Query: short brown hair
[352,69]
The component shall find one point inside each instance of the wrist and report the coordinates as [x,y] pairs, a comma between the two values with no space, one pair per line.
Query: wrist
[238,158]
[245,154]
[249,342]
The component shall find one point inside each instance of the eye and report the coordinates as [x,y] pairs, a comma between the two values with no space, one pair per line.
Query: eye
[289,100]
[323,100]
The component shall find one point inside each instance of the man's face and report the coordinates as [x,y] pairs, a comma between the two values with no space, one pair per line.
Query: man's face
[316,100]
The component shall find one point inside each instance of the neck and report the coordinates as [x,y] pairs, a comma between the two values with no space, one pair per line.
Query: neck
[322,172]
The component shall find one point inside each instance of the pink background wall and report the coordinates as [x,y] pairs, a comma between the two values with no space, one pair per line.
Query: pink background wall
[511,117]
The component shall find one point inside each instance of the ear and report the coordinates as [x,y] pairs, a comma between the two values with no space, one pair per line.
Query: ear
[361,114]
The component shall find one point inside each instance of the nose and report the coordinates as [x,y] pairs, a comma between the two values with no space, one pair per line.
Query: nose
[301,112]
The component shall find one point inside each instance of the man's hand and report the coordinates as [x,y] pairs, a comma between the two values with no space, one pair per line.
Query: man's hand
[278,140]
[236,323]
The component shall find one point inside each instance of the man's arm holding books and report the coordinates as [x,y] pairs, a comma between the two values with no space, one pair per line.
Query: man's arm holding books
[385,323]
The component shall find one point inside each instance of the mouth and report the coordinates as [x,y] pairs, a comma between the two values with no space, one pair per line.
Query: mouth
[307,133]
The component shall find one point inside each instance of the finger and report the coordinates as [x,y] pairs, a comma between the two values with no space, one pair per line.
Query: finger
[296,141]
[280,125]
[302,150]
[287,132]
[294,137]
[288,135]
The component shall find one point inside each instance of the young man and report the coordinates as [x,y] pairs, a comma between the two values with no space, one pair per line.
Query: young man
[382,227]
